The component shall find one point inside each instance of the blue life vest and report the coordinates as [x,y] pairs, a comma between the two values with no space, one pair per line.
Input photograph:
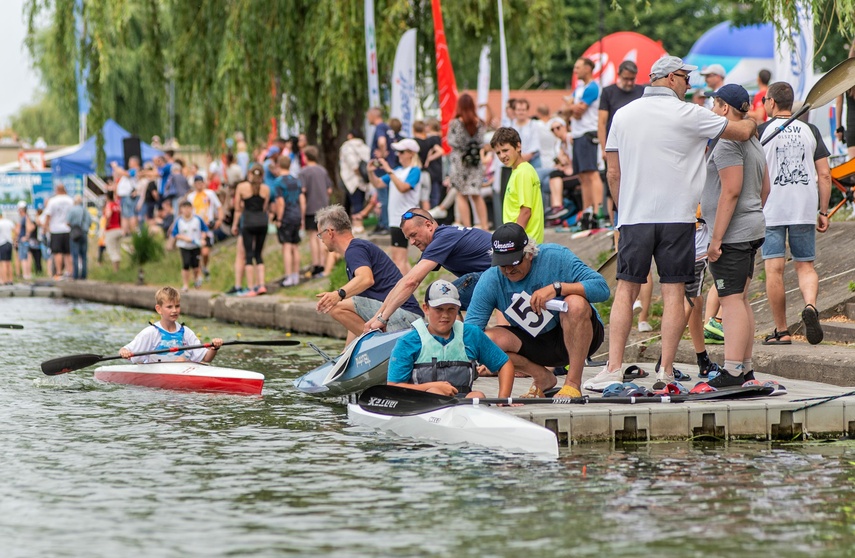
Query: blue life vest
[169,340]
[444,363]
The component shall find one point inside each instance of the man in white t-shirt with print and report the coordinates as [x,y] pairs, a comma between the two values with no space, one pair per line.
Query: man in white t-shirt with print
[655,155]
[797,160]
[56,223]
[584,122]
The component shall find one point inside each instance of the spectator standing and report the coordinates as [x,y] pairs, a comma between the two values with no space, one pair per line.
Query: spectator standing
[655,154]
[290,211]
[177,187]
[189,231]
[380,150]
[523,203]
[24,229]
[206,205]
[527,129]
[797,188]
[56,223]
[7,237]
[252,203]
[317,186]
[113,229]
[430,154]
[714,75]
[234,173]
[584,108]
[80,222]
[758,110]
[466,138]
[354,156]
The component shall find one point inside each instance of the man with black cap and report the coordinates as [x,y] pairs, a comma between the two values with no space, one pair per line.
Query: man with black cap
[523,279]
[732,204]
[440,354]
[655,156]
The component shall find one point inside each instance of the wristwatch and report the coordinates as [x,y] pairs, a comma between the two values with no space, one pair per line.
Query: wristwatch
[342,293]
[557,287]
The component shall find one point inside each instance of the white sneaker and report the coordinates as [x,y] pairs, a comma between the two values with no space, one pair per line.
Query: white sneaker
[662,380]
[636,308]
[644,327]
[438,212]
[604,379]
[289,282]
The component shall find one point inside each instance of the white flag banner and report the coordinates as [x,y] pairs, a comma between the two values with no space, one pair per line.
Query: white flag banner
[794,63]
[404,83]
[483,81]
[503,60]
[371,55]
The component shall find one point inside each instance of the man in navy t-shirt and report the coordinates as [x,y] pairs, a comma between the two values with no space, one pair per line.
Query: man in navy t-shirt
[463,251]
[371,274]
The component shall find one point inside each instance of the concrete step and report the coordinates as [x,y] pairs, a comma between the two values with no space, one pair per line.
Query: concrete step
[838,332]
[849,310]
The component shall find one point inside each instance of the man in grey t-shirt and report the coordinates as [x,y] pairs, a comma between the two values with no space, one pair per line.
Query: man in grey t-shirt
[732,201]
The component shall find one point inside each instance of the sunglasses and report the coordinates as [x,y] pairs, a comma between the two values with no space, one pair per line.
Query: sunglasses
[684,76]
[409,215]
[764,99]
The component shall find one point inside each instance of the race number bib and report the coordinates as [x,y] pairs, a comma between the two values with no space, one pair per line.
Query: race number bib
[521,314]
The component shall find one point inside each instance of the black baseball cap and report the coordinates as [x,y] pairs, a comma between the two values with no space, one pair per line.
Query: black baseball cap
[508,243]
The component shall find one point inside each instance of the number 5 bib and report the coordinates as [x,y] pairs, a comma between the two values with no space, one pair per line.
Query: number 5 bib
[521,314]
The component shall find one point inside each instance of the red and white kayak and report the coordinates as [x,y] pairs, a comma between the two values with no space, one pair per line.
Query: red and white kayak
[191,376]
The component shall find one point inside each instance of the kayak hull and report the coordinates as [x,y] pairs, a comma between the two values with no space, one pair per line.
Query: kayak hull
[367,367]
[463,424]
[189,376]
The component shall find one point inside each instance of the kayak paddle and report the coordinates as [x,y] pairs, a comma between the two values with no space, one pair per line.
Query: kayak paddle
[11,326]
[69,363]
[397,401]
[837,80]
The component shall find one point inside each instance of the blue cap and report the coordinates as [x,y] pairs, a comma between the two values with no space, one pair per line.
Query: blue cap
[734,95]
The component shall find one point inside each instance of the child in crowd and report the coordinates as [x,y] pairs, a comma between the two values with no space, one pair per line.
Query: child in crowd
[187,232]
[290,210]
[207,206]
[523,203]
[167,334]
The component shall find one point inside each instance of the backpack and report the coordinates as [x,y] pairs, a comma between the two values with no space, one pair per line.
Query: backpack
[363,170]
[471,155]
[77,233]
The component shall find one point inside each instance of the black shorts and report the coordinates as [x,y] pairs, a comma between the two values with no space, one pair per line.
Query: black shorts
[60,243]
[548,349]
[584,154]
[6,252]
[695,288]
[190,258]
[398,238]
[288,233]
[311,224]
[734,267]
[672,245]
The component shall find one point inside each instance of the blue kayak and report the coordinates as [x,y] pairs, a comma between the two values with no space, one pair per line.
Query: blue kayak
[362,364]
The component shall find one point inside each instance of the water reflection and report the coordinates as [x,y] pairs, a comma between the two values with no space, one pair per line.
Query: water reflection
[92,469]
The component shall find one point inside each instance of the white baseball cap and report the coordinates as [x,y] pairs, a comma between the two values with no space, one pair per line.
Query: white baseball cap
[406,145]
[442,292]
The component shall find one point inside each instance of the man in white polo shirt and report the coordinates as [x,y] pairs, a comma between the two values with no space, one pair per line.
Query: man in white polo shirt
[655,155]
[56,222]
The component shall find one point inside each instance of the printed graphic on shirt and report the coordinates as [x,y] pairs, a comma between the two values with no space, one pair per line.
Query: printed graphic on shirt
[792,164]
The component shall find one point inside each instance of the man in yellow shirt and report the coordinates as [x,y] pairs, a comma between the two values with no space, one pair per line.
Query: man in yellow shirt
[523,203]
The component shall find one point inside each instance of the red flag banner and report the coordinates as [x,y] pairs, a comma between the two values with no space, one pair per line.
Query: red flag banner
[444,73]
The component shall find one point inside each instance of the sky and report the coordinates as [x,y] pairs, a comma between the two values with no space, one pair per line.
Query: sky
[21,82]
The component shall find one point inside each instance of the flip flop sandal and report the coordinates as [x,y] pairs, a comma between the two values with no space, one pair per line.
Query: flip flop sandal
[702,387]
[568,392]
[775,338]
[813,331]
[634,373]
[712,367]
[533,392]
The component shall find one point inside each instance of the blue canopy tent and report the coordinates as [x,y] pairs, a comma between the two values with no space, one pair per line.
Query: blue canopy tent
[82,161]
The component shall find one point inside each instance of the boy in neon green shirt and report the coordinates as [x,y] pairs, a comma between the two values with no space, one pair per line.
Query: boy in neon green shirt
[523,203]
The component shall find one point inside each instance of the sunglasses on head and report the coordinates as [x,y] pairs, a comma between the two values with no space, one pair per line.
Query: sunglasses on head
[409,215]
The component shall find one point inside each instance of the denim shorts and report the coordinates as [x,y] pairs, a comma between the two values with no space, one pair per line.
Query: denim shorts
[466,286]
[801,239]
[129,206]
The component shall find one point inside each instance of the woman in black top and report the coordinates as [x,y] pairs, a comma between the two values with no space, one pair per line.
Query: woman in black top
[251,208]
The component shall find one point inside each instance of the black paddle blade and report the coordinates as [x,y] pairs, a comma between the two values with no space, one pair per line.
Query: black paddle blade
[273,343]
[402,402]
[11,326]
[69,363]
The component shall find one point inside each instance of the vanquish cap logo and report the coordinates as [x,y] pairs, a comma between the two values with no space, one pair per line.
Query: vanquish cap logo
[504,246]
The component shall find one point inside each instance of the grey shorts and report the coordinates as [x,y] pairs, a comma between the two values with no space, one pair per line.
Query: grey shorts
[695,288]
[367,308]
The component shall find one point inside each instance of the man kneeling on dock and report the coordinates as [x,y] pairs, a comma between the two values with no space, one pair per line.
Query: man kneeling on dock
[439,355]
[526,277]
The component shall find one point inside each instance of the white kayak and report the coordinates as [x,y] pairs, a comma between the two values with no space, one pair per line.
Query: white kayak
[472,424]
[192,376]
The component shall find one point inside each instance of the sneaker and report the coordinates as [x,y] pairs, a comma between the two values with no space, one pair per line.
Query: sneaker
[726,380]
[557,213]
[715,327]
[712,338]
[261,289]
[233,291]
[248,293]
[644,327]
[749,376]
[290,282]
[780,389]
[438,212]
[198,283]
[662,380]
[636,308]
[206,272]
[379,231]
[358,229]
[604,379]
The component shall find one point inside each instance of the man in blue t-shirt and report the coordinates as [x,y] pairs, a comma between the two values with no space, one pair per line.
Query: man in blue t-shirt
[525,277]
[411,364]
[371,274]
[463,251]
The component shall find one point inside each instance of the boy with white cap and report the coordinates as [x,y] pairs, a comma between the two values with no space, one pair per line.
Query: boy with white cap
[439,355]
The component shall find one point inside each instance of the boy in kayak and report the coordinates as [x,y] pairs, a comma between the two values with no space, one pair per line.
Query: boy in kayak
[439,355]
[168,333]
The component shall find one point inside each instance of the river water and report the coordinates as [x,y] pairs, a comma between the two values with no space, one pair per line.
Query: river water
[97,470]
